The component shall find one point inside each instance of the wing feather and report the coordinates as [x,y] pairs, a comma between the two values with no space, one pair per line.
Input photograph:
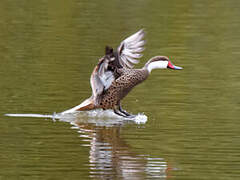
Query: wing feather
[130,49]
[126,62]
[101,78]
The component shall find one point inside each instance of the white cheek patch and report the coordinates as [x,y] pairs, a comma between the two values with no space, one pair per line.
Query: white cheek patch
[157,65]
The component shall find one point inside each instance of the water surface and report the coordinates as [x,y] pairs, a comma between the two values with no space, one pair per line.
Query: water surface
[48,50]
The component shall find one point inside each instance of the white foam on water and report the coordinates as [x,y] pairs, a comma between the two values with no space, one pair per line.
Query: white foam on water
[30,115]
[109,115]
[98,117]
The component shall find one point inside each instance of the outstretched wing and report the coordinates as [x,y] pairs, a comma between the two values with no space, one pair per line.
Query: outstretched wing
[101,78]
[106,70]
[130,49]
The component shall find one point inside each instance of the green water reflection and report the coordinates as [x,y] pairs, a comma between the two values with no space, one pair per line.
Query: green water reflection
[47,52]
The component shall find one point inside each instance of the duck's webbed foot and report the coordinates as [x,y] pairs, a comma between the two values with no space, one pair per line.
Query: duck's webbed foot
[119,111]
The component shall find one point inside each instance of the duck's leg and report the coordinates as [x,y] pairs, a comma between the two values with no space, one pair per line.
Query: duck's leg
[117,111]
[125,112]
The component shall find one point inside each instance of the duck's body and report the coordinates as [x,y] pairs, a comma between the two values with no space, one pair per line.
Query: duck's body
[122,86]
[114,77]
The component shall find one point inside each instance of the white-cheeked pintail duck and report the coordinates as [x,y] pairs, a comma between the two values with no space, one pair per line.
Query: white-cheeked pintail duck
[114,77]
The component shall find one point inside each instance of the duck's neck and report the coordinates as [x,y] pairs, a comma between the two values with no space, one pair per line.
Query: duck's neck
[156,65]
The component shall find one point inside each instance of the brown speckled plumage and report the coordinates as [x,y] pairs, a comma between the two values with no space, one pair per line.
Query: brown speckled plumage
[122,86]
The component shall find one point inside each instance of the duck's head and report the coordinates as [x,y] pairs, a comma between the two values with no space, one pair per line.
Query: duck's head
[160,62]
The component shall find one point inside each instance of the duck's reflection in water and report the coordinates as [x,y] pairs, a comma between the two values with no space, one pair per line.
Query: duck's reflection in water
[110,157]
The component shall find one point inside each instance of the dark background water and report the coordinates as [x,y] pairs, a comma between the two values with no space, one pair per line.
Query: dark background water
[47,52]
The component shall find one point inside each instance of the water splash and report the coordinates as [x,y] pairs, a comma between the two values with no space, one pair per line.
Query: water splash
[30,115]
[98,117]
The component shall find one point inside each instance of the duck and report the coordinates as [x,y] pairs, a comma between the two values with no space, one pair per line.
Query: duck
[114,76]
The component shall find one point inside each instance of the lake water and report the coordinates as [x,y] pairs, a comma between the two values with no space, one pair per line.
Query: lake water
[188,127]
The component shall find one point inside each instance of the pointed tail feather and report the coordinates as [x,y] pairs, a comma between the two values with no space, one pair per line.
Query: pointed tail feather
[86,105]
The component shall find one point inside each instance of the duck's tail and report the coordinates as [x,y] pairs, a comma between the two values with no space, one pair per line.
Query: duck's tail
[86,105]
